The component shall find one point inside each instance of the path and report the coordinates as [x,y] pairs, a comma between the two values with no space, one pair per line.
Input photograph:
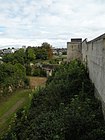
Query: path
[11,111]
[20,98]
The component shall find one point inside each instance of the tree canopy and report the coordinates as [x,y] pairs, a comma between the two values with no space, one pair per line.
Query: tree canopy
[11,77]
[31,54]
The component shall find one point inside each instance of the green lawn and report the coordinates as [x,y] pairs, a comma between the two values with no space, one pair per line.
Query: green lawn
[8,107]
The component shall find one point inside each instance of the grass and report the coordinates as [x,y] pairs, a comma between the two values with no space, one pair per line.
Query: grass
[9,107]
[19,99]
[5,106]
[37,81]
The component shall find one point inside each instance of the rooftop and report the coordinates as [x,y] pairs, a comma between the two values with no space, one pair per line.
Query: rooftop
[76,39]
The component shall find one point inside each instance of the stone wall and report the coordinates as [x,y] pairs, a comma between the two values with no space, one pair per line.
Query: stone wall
[74,49]
[93,55]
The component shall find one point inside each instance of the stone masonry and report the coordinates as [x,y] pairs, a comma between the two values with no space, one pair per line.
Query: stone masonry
[92,55]
[74,49]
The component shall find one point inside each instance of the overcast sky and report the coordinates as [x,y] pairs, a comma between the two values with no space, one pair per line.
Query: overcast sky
[32,22]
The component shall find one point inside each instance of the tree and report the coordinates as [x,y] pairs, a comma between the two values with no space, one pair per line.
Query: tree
[48,48]
[31,54]
[19,56]
[11,77]
[8,58]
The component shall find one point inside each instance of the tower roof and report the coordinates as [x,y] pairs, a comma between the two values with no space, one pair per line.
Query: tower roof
[76,39]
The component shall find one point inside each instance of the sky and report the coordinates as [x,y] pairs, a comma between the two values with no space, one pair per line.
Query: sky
[32,22]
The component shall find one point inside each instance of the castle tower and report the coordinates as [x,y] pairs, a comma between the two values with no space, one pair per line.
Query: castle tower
[74,49]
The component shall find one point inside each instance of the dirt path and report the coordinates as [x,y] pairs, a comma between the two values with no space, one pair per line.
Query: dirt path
[12,110]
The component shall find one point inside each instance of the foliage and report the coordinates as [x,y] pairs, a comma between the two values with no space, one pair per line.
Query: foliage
[28,70]
[39,72]
[31,54]
[65,109]
[11,77]
[48,49]
[17,57]
[64,53]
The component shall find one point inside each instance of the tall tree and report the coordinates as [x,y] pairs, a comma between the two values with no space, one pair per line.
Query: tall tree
[31,54]
[48,48]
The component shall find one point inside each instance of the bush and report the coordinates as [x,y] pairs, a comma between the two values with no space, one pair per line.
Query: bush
[11,77]
[39,72]
[28,70]
[26,82]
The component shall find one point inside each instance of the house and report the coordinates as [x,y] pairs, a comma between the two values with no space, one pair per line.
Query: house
[9,50]
[48,68]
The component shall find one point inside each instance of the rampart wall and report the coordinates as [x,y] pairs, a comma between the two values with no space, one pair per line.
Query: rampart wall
[92,55]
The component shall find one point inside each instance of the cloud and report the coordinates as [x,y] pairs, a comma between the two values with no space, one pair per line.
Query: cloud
[55,21]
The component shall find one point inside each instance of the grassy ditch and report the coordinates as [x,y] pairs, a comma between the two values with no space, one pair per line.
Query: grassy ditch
[8,108]
[19,99]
